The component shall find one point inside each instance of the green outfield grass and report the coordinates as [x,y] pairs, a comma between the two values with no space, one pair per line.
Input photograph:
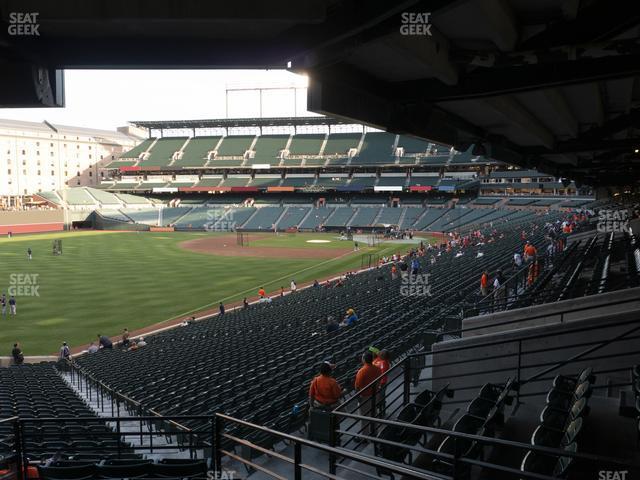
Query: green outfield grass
[106,281]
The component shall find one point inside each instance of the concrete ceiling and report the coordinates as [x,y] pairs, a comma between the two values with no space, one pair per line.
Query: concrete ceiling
[545,84]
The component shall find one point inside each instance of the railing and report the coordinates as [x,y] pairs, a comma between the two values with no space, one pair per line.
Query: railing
[88,384]
[37,439]
[296,463]
[407,378]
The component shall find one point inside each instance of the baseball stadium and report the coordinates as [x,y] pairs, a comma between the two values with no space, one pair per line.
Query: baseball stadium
[432,274]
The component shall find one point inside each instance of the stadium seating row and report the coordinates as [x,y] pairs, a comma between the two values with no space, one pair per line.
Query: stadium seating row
[299,150]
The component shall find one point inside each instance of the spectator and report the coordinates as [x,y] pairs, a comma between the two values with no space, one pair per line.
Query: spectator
[261,292]
[332,325]
[365,376]
[221,309]
[382,362]
[415,266]
[245,303]
[282,291]
[65,352]
[316,284]
[517,260]
[12,305]
[324,391]
[142,342]
[484,284]
[529,252]
[394,272]
[404,269]
[16,353]
[125,338]
[350,318]
[93,348]
[294,287]
[104,342]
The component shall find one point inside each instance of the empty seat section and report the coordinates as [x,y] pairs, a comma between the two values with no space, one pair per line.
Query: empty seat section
[161,154]
[364,217]
[236,181]
[292,217]
[317,217]
[431,215]
[196,153]
[377,148]
[413,149]
[390,216]
[231,151]
[268,148]
[135,152]
[264,219]
[363,183]
[302,181]
[340,217]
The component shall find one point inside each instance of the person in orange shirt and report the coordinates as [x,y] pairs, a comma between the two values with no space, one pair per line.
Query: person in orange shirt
[484,284]
[261,292]
[366,375]
[382,362]
[324,391]
[529,252]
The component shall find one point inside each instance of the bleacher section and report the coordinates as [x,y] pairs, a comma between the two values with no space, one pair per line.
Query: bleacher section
[196,153]
[305,147]
[37,391]
[136,151]
[292,217]
[377,148]
[231,151]
[267,148]
[161,155]
[264,219]
[317,217]
[364,217]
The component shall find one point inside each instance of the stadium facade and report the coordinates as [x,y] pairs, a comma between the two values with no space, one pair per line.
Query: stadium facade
[41,156]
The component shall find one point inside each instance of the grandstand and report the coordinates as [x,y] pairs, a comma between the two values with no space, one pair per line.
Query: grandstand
[453,407]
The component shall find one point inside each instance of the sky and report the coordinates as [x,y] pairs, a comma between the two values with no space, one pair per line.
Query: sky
[108,99]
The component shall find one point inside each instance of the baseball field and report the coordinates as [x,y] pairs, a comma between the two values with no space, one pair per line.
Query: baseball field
[106,281]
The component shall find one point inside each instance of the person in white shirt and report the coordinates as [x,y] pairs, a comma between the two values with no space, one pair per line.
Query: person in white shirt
[93,348]
[65,353]
[517,259]
[294,287]
[141,342]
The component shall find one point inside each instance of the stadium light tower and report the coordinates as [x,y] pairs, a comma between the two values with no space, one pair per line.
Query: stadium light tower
[291,92]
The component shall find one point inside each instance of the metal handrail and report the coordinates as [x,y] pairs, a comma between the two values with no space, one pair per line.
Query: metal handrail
[350,454]
[488,440]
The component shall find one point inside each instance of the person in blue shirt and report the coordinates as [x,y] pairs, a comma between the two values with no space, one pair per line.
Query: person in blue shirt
[350,318]
[415,266]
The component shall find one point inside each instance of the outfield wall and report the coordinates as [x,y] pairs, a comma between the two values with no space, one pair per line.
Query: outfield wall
[31,221]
